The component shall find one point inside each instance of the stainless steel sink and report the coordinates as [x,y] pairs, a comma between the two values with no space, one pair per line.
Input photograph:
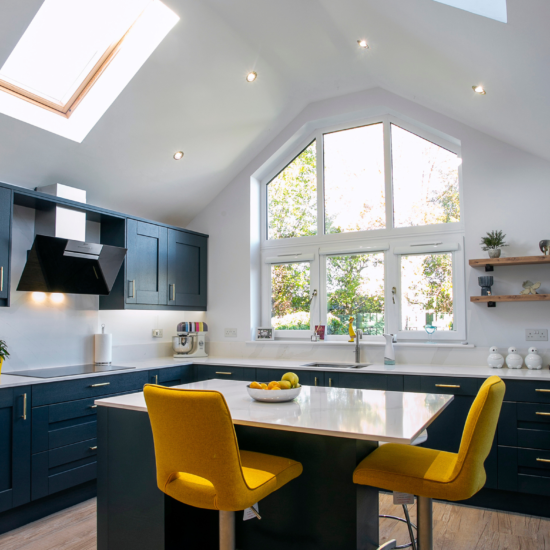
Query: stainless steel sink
[337,365]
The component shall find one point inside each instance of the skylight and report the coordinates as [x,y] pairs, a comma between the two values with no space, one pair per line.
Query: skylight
[79,54]
[494,9]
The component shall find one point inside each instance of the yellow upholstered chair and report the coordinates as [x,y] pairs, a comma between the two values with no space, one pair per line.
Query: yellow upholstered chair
[198,458]
[430,474]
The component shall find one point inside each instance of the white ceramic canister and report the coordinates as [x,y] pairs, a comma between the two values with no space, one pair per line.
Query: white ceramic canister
[533,360]
[514,360]
[495,359]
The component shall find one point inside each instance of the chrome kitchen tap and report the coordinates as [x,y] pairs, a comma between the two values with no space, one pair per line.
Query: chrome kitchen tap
[358,336]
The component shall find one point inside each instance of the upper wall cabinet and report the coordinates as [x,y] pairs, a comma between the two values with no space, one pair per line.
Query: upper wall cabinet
[186,270]
[5,233]
[146,263]
[165,269]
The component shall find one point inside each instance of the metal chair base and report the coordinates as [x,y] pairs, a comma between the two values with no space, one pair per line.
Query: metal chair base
[227,530]
[410,525]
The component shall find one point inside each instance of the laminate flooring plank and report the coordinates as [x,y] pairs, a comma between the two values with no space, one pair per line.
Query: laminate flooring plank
[455,528]
[37,530]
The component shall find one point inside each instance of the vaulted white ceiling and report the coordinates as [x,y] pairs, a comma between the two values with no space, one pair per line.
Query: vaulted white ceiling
[191,94]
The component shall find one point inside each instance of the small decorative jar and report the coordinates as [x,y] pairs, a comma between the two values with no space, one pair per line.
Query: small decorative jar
[533,360]
[514,360]
[494,252]
[495,359]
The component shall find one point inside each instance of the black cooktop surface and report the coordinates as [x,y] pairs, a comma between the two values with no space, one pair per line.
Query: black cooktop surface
[58,372]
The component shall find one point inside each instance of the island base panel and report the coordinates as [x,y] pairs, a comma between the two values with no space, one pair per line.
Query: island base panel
[320,510]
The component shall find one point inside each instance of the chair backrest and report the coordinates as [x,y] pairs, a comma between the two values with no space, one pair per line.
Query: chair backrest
[193,433]
[478,435]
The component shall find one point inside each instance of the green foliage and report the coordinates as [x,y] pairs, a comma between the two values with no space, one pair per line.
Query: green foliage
[346,295]
[493,240]
[4,350]
[290,290]
[434,290]
[298,320]
[292,198]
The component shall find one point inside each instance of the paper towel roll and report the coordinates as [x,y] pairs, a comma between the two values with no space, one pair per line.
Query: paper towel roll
[103,349]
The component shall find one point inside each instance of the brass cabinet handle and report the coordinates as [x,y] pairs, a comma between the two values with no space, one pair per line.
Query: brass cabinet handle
[224,373]
[543,414]
[93,448]
[172,292]
[330,382]
[446,386]
[544,391]
[156,379]
[97,385]
[542,460]
[24,417]
[132,289]
[315,380]
[1,278]
[93,406]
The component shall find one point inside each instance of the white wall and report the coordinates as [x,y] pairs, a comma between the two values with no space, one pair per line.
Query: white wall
[48,334]
[504,188]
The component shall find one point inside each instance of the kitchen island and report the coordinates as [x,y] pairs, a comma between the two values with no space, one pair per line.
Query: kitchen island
[329,430]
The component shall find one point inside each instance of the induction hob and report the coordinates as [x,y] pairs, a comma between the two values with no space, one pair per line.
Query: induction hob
[58,372]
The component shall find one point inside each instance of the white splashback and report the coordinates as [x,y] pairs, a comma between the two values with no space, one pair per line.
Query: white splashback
[44,334]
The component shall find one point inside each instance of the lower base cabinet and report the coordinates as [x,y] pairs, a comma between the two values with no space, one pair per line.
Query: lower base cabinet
[15,447]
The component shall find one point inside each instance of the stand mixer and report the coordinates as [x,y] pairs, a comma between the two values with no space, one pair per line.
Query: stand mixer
[190,341]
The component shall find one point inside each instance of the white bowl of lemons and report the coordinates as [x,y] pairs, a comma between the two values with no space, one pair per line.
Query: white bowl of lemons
[287,389]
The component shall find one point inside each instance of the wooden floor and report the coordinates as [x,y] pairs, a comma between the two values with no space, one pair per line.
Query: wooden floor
[455,528]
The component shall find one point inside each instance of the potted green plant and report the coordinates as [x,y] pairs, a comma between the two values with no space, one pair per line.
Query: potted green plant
[493,242]
[3,353]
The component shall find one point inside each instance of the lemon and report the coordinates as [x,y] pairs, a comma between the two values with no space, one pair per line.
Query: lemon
[285,384]
[255,386]
[292,378]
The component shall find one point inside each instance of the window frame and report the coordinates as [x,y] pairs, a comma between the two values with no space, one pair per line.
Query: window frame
[67,109]
[366,240]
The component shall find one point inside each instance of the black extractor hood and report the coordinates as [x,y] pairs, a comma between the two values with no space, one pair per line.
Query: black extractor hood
[71,267]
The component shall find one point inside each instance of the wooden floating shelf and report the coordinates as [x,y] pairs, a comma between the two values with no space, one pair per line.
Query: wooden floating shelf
[511,298]
[516,260]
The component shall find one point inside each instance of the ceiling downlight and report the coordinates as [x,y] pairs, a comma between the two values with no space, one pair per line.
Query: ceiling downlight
[479,90]
[178,155]
[251,76]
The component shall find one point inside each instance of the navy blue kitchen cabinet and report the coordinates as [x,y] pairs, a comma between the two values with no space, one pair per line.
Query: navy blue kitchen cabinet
[209,372]
[64,429]
[307,377]
[187,264]
[146,264]
[524,438]
[15,447]
[5,245]
[172,376]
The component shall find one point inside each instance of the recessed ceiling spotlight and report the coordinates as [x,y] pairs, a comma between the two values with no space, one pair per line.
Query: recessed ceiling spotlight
[178,155]
[251,77]
[363,44]
[479,90]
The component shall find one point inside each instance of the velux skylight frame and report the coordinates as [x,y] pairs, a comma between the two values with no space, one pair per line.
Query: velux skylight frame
[104,82]
[68,108]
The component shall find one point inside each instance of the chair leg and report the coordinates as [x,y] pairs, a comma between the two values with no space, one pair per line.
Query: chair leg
[409,525]
[227,530]
[425,523]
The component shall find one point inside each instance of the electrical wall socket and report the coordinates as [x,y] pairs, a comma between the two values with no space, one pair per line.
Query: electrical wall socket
[157,333]
[231,333]
[536,334]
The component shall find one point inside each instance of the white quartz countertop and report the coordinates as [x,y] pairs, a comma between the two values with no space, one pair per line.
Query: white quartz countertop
[371,415]
[8,380]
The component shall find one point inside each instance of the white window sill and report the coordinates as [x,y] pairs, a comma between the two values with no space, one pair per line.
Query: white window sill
[342,343]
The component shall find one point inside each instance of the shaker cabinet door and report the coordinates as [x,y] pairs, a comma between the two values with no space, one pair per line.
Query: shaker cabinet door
[186,269]
[146,264]
[15,447]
